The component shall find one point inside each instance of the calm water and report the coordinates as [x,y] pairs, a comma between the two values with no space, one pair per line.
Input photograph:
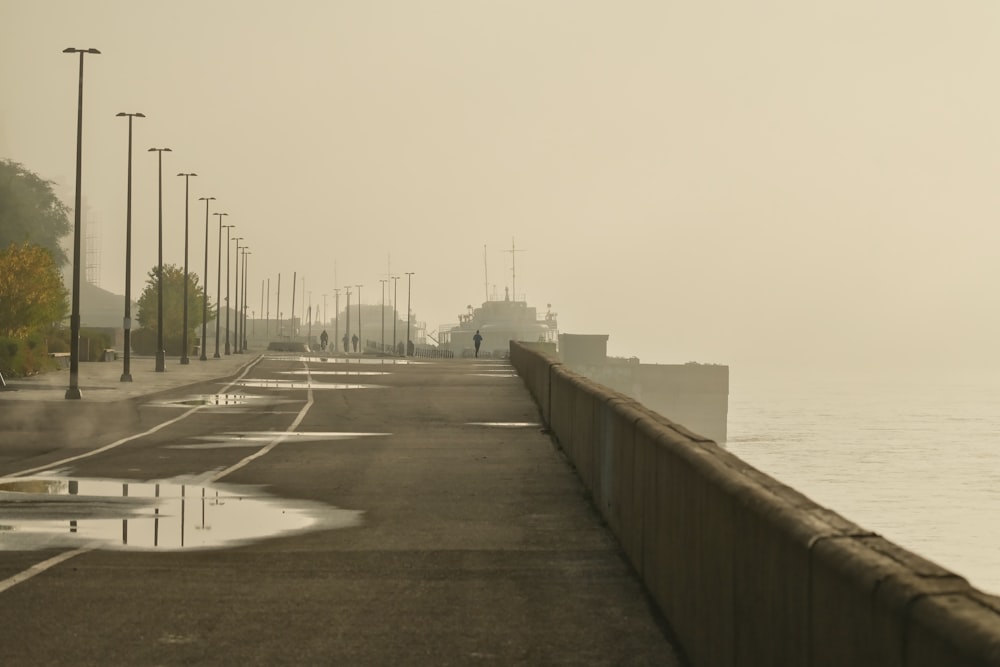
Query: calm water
[917,462]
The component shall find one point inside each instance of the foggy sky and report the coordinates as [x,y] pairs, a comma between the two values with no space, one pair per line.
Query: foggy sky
[781,186]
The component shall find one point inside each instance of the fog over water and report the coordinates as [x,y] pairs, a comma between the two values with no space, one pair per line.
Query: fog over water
[793,189]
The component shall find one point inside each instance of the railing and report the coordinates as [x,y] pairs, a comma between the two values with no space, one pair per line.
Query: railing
[745,569]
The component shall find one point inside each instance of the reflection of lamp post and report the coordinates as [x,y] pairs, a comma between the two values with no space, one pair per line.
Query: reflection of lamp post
[127,321]
[383,281]
[184,333]
[73,392]
[204,288]
[409,276]
[160,353]
[218,284]
[361,340]
[395,310]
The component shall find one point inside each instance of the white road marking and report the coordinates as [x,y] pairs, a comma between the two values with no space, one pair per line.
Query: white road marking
[44,565]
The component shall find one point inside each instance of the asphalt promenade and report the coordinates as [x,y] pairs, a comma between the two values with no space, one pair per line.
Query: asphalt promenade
[476,544]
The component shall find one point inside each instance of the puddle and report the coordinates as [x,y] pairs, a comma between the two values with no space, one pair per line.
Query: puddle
[44,513]
[356,361]
[344,373]
[291,384]
[506,424]
[217,400]
[259,438]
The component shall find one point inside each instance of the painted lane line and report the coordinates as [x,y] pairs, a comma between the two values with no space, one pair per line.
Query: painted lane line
[44,565]
[276,441]
[119,443]
[38,568]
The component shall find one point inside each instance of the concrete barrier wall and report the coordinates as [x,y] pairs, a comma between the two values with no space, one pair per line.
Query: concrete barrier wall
[747,570]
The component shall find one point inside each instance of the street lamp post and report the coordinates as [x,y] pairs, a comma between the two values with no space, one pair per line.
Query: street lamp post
[160,352]
[218,284]
[127,320]
[382,344]
[347,326]
[336,318]
[395,310]
[409,276]
[361,340]
[73,392]
[243,330]
[229,350]
[204,288]
[184,333]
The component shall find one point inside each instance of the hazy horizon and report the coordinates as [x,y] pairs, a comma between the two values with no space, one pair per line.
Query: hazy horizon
[787,188]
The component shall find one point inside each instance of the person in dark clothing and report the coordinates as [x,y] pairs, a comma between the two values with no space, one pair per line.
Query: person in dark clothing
[354,339]
[324,338]
[347,343]
[477,340]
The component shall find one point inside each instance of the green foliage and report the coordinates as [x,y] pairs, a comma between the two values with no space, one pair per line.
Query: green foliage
[173,309]
[30,212]
[23,357]
[31,290]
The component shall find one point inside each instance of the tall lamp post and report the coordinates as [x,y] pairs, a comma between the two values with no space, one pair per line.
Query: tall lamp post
[336,318]
[184,333]
[73,392]
[395,310]
[229,350]
[409,276]
[204,288]
[347,325]
[361,340]
[127,321]
[383,281]
[218,285]
[160,353]
[243,300]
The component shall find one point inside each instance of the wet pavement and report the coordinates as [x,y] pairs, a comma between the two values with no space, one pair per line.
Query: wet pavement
[100,381]
[271,510]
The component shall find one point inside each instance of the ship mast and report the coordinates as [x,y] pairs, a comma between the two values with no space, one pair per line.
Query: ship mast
[513,267]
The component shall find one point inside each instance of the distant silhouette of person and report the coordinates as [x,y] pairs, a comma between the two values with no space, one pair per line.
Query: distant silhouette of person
[409,348]
[399,349]
[324,338]
[477,340]
[347,342]
[354,340]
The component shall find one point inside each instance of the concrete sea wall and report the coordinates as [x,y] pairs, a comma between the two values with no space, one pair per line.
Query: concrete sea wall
[747,570]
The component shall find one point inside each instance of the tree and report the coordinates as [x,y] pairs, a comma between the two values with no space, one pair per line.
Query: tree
[31,290]
[173,302]
[30,211]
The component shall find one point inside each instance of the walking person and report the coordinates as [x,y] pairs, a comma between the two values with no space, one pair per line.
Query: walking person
[324,338]
[477,341]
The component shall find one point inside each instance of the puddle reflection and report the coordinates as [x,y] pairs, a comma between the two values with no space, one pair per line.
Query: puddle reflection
[119,514]
[292,384]
[355,361]
[347,373]
[506,424]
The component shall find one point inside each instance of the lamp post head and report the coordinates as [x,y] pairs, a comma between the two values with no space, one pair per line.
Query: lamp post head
[161,150]
[205,198]
[72,50]
[137,114]
[191,174]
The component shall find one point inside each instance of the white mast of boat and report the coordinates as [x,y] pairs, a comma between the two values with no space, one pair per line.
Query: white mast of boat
[513,267]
